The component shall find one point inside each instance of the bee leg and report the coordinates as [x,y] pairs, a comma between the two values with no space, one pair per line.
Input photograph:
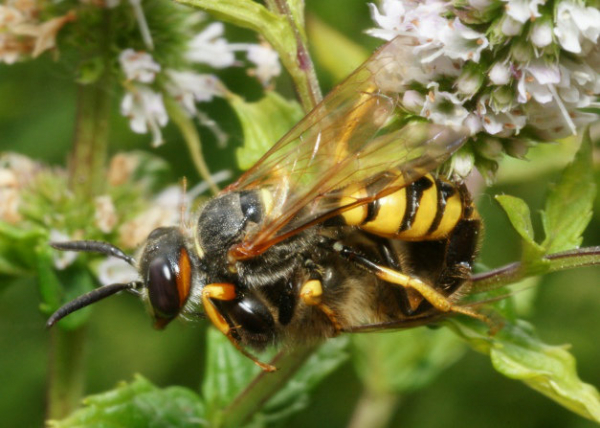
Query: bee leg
[311,294]
[226,292]
[437,299]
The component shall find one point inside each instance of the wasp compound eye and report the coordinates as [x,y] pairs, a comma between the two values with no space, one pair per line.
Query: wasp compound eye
[166,269]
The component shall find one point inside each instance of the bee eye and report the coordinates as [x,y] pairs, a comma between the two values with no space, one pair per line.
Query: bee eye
[162,288]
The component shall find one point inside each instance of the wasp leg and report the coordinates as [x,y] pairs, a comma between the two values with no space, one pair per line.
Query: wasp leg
[437,299]
[226,292]
[311,294]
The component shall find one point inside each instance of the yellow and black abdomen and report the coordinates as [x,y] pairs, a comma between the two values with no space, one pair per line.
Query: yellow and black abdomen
[427,209]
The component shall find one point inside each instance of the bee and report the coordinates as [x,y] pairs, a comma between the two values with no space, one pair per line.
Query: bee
[341,226]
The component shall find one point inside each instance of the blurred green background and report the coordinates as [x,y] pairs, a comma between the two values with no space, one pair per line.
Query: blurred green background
[37,107]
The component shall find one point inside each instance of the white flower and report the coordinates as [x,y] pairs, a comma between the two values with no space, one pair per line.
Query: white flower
[510,27]
[105,216]
[145,110]
[459,42]
[267,62]
[541,33]
[500,73]
[208,47]
[574,23]
[413,101]
[188,88]
[138,66]
[112,270]
[523,10]
[535,80]
[61,259]
[443,107]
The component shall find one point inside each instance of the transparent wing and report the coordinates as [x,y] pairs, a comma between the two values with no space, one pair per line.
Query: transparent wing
[344,143]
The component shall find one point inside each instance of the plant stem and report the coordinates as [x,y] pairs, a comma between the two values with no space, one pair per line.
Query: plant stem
[264,386]
[374,410]
[588,256]
[66,371]
[303,71]
[86,179]
[90,142]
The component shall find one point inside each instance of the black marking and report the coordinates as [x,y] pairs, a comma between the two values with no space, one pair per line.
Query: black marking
[286,304]
[444,192]
[372,211]
[414,193]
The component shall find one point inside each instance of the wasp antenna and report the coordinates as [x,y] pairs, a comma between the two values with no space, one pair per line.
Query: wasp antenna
[89,298]
[94,247]
[182,204]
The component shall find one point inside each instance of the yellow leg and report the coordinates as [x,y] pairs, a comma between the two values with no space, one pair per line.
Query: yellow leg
[437,299]
[311,294]
[226,292]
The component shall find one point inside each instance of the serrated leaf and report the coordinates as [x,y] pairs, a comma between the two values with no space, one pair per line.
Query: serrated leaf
[263,123]
[569,205]
[551,370]
[339,55]
[404,361]
[294,396]
[138,404]
[228,372]
[520,218]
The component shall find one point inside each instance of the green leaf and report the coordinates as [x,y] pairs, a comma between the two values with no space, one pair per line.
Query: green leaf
[294,396]
[404,361]
[228,372]
[339,55]
[263,123]
[138,404]
[569,205]
[17,255]
[520,218]
[518,354]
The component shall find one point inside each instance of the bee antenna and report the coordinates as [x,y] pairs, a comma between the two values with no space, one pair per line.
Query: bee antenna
[89,298]
[94,247]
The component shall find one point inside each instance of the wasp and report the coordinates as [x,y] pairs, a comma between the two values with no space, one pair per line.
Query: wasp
[343,225]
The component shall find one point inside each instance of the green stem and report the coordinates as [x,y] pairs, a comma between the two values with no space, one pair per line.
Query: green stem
[66,372]
[374,410]
[87,180]
[264,386]
[509,274]
[302,70]
[192,139]
[90,142]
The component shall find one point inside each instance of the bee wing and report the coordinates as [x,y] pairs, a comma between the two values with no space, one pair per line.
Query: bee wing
[342,143]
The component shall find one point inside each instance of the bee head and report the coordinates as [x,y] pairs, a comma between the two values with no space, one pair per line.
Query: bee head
[165,269]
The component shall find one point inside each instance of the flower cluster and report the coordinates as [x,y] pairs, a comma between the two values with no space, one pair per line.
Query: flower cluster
[23,35]
[507,69]
[143,102]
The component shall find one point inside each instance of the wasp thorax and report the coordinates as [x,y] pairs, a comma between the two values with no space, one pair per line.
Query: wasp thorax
[166,269]
[224,219]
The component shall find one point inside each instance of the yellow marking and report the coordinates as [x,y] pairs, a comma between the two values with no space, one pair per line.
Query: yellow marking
[226,292]
[452,214]
[311,292]
[425,214]
[197,246]
[219,292]
[267,200]
[354,216]
[390,214]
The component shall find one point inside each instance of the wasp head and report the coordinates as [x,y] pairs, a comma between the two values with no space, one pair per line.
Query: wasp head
[166,270]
